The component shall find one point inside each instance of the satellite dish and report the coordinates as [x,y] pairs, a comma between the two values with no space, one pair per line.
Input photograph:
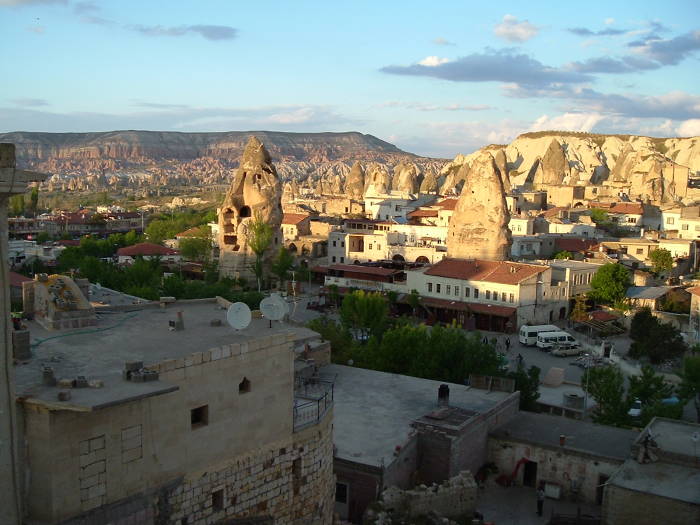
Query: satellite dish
[238,316]
[274,307]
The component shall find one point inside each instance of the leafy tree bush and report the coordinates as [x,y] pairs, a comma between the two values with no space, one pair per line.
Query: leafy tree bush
[195,248]
[610,283]
[653,339]
[607,386]
[259,239]
[690,382]
[563,254]
[527,382]
[281,264]
[599,216]
[364,314]
[661,261]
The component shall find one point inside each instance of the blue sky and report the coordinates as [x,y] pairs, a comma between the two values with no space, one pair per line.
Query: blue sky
[435,79]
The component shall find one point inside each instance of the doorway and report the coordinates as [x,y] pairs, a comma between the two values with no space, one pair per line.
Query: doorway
[530,474]
[341,500]
[600,489]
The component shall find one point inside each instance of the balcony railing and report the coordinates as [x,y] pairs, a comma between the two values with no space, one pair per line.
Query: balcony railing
[311,402]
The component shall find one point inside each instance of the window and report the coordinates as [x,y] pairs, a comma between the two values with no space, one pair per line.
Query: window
[333,258]
[466,291]
[379,246]
[217,500]
[503,297]
[342,244]
[341,493]
[199,417]
[244,386]
[456,291]
[669,220]
[342,259]
[488,294]
[640,251]
[448,289]
[437,288]
[430,287]
[476,293]
[334,243]
[684,227]
[370,246]
[511,298]
[296,475]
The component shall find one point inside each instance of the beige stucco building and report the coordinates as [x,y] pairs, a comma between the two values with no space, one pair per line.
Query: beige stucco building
[170,416]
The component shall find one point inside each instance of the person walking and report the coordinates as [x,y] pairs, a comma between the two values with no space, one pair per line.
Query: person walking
[540,499]
[507,344]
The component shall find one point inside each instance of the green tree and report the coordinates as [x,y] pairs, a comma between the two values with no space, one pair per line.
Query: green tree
[690,382]
[333,294]
[610,283]
[17,205]
[653,339]
[579,312]
[195,248]
[413,300]
[33,204]
[527,382]
[42,237]
[599,216]
[607,386]
[364,314]
[259,239]
[563,254]
[649,387]
[343,346]
[281,264]
[661,261]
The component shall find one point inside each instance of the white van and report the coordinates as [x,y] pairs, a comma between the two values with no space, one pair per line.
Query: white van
[528,334]
[549,340]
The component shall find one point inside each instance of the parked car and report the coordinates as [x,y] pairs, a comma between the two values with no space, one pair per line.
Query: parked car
[550,340]
[636,410]
[566,350]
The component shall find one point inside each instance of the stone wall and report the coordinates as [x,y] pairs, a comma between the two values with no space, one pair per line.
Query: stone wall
[578,474]
[454,498]
[622,507]
[94,465]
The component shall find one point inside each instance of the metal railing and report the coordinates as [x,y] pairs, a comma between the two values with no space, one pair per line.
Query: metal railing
[311,402]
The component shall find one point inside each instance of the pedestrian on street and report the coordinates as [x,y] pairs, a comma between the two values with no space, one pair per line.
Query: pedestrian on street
[540,499]
[507,344]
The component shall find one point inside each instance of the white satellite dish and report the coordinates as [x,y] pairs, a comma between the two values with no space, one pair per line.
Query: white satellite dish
[238,316]
[274,307]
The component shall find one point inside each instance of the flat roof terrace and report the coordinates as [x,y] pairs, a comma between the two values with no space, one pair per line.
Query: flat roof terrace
[373,411]
[138,333]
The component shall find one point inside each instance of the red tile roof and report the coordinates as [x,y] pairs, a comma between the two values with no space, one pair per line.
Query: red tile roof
[68,242]
[573,245]
[192,232]
[448,204]
[602,316]
[369,270]
[503,272]
[17,279]
[423,213]
[145,248]
[627,208]
[694,290]
[294,218]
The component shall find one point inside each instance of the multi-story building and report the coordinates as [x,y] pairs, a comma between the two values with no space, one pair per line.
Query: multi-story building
[170,416]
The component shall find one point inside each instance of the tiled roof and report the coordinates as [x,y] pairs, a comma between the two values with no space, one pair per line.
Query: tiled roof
[503,272]
[293,218]
[192,232]
[695,290]
[16,279]
[423,213]
[479,308]
[448,204]
[573,245]
[145,248]
[369,270]
[627,208]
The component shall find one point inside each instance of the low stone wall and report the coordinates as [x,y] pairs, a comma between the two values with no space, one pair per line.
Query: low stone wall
[452,499]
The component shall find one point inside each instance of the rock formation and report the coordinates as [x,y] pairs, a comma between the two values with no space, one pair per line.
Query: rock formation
[378,181]
[429,184]
[255,192]
[479,226]
[407,177]
[355,182]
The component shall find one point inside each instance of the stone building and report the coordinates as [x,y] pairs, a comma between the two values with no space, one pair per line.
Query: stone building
[167,415]
[254,192]
[660,483]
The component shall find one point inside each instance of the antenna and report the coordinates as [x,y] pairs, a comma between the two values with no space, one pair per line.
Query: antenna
[238,316]
[274,308]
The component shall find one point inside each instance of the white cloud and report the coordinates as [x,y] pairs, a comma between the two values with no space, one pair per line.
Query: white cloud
[689,128]
[513,31]
[442,42]
[433,61]
[609,21]
[567,122]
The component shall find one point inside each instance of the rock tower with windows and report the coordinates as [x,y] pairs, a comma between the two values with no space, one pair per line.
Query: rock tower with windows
[255,191]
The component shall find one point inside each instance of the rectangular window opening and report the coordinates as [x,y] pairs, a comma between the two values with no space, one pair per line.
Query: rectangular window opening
[199,417]
[217,500]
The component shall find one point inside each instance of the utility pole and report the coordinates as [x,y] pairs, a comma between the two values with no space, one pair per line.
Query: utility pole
[12,182]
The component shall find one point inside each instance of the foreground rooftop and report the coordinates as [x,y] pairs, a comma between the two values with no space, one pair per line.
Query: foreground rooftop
[373,411]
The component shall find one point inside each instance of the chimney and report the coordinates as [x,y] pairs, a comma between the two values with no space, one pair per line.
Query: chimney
[444,395]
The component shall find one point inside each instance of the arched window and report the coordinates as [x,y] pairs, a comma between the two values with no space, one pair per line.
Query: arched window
[244,386]
[244,211]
